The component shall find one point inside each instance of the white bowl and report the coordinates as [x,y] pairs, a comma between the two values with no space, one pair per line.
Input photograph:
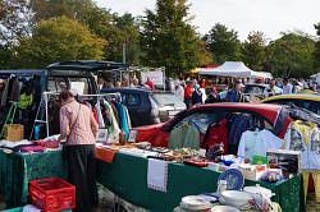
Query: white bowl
[195,203]
[236,198]
[224,208]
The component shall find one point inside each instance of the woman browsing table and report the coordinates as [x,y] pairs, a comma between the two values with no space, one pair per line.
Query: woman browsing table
[78,127]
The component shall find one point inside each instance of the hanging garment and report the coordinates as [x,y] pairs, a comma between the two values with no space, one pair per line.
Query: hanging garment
[15,90]
[99,117]
[128,115]
[4,94]
[113,129]
[25,101]
[315,175]
[184,136]
[305,138]
[217,134]
[115,110]
[258,143]
[239,124]
[123,119]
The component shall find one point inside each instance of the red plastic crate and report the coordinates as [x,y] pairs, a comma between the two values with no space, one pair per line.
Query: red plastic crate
[52,194]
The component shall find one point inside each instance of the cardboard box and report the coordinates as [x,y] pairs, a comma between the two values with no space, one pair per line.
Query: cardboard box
[286,160]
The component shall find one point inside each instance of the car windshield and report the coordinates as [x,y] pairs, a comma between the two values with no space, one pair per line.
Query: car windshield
[253,89]
[312,106]
[167,99]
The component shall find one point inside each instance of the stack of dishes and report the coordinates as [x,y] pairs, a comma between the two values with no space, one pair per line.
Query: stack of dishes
[258,190]
[224,208]
[195,203]
[238,199]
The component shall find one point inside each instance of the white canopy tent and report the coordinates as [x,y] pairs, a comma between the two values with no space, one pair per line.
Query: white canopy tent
[234,69]
[228,69]
[264,75]
[316,77]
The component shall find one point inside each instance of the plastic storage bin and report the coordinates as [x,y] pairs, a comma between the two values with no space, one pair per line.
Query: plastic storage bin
[52,194]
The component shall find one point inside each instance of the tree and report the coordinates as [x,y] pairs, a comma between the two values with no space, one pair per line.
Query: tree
[168,39]
[6,56]
[58,39]
[125,34]
[316,53]
[45,9]
[16,21]
[223,43]
[253,50]
[292,55]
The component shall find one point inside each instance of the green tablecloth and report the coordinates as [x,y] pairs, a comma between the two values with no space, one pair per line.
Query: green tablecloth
[17,170]
[127,177]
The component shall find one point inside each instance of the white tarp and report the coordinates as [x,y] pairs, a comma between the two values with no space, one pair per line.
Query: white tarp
[316,77]
[228,69]
[157,77]
[261,74]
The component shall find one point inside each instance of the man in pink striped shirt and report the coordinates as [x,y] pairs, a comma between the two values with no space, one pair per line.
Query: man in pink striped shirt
[78,127]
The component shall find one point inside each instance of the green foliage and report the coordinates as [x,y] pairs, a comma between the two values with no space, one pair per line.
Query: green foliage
[6,56]
[223,44]
[58,39]
[45,9]
[316,54]
[167,38]
[292,55]
[253,51]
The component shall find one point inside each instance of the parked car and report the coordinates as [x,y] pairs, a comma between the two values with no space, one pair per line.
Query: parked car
[39,81]
[146,107]
[310,102]
[251,92]
[255,91]
[77,75]
[275,118]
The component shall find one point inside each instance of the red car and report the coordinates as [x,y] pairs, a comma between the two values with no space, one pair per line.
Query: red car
[274,117]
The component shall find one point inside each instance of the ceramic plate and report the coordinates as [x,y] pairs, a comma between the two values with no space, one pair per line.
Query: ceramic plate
[234,178]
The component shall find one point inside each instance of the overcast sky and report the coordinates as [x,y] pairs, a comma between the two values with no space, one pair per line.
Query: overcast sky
[268,16]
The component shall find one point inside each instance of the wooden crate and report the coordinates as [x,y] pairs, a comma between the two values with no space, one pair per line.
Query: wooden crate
[14,132]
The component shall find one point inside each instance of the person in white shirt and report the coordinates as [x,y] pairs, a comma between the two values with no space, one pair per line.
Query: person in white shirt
[273,90]
[178,90]
[287,87]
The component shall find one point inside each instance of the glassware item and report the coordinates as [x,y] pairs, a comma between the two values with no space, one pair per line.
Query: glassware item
[122,139]
[222,186]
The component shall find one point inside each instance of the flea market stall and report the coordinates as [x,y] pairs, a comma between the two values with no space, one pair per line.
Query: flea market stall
[158,178]
[157,167]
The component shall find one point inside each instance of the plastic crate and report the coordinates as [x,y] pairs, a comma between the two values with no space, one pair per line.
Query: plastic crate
[52,194]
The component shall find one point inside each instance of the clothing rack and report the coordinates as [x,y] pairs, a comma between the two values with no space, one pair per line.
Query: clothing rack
[42,116]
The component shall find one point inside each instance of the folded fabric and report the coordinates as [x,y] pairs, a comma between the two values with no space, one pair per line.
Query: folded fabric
[33,148]
[157,175]
[105,154]
[10,144]
[30,208]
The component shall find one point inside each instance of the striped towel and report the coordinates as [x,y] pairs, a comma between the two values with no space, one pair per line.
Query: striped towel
[157,175]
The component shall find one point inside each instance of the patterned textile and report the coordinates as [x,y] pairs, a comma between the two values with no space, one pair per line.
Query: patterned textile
[17,170]
[184,136]
[82,132]
[316,181]
[239,124]
[123,119]
[114,128]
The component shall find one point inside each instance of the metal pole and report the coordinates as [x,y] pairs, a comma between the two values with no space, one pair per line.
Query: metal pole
[164,79]
[47,114]
[124,53]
